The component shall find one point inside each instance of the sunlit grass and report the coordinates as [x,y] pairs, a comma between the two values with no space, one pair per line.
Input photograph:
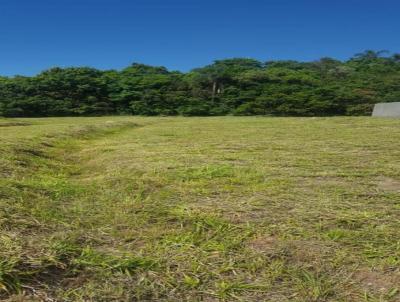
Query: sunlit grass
[200,209]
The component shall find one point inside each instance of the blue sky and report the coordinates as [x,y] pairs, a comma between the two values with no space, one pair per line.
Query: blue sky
[184,34]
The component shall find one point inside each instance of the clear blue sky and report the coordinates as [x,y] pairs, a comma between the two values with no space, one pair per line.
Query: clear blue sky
[183,34]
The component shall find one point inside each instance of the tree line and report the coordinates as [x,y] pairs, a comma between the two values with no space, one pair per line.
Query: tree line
[238,86]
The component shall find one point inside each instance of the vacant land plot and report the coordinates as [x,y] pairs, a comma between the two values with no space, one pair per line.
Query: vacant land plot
[200,209]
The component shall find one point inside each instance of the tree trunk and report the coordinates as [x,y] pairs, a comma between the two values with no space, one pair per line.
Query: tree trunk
[214,91]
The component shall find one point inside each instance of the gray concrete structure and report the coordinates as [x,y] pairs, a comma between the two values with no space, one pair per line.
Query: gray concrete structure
[387,110]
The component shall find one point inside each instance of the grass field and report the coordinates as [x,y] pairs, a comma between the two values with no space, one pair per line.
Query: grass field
[200,209]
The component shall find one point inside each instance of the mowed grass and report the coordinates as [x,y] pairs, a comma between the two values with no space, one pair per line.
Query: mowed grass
[200,209]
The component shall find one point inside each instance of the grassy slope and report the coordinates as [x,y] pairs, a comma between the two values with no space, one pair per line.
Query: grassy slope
[200,209]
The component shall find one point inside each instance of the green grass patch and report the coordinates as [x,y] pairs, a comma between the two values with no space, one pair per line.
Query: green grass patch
[200,209]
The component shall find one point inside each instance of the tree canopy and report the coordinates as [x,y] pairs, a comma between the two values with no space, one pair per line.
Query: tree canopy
[238,86]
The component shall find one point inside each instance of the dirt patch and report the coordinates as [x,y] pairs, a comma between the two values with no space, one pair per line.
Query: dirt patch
[263,244]
[308,251]
[302,253]
[322,181]
[388,184]
[376,282]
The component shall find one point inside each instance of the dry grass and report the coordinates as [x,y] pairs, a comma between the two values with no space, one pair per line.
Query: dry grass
[200,209]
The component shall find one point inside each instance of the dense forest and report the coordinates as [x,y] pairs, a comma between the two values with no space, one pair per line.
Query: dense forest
[238,86]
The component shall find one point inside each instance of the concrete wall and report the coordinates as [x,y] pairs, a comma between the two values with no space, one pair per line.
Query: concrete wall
[387,110]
